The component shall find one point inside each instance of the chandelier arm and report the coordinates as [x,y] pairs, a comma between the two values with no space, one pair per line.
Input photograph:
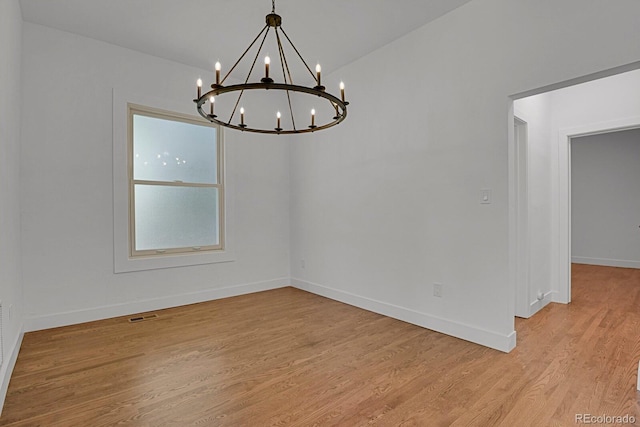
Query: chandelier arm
[299,55]
[257,55]
[293,121]
[281,57]
[283,60]
[285,66]
[235,107]
[245,52]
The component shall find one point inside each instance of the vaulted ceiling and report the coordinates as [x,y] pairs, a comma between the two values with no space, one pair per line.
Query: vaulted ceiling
[199,32]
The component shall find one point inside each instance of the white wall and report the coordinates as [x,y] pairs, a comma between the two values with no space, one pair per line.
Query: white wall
[605,199]
[388,203]
[536,111]
[67,203]
[10,261]
[597,102]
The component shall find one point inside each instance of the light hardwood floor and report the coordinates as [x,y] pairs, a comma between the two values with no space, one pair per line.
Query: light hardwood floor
[287,357]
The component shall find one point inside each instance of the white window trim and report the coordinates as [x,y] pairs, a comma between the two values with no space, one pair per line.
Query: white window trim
[123,261]
[142,110]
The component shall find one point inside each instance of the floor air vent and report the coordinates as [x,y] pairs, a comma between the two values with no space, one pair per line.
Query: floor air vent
[142,318]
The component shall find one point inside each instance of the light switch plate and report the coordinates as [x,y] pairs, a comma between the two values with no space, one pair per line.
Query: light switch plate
[485,196]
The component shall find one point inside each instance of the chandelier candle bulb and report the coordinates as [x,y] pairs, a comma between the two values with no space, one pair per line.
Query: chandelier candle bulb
[267,61]
[318,70]
[241,116]
[278,116]
[199,84]
[342,91]
[313,117]
[212,101]
[218,68]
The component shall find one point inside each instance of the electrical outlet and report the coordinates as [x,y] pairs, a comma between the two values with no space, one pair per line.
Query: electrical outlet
[437,290]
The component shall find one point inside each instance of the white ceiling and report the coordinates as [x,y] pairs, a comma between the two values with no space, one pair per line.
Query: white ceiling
[199,32]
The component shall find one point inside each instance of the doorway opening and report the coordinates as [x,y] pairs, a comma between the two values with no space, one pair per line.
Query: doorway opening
[540,207]
[605,198]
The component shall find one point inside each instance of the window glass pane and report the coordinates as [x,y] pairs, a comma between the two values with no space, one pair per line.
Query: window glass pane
[175,217]
[167,150]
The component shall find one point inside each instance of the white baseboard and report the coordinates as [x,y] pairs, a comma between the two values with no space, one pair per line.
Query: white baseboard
[37,323]
[497,341]
[537,305]
[606,262]
[7,369]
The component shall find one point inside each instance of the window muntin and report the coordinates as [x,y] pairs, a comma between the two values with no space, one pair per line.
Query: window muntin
[176,184]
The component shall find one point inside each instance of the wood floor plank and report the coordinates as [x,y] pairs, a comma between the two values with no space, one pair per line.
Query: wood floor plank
[289,358]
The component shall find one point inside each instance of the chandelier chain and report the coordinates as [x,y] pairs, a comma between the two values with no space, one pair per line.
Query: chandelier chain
[273,6]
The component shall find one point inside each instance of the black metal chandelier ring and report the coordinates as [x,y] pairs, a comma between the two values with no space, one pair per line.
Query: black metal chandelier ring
[339,105]
[273,22]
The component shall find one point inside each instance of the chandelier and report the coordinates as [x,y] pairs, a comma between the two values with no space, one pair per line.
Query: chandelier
[331,109]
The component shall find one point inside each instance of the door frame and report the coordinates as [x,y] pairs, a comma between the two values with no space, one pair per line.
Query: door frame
[523,256]
[561,199]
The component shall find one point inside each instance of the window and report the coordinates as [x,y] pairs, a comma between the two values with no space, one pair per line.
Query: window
[176,189]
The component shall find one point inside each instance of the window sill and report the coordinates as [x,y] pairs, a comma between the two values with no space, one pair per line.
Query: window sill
[125,264]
